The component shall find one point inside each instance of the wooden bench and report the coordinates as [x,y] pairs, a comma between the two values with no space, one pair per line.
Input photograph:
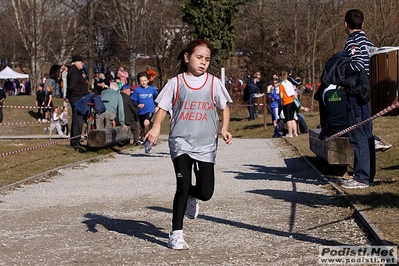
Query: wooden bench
[99,138]
[337,152]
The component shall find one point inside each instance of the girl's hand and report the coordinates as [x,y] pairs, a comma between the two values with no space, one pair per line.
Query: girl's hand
[227,137]
[153,134]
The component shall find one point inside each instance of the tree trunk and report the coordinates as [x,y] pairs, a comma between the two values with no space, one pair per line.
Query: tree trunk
[132,67]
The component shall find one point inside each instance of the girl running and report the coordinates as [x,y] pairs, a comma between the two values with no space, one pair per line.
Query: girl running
[193,96]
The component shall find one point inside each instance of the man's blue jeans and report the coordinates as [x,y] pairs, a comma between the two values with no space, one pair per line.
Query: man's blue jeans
[251,108]
[359,140]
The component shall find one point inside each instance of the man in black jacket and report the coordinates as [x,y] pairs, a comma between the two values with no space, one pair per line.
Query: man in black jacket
[131,114]
[77,88]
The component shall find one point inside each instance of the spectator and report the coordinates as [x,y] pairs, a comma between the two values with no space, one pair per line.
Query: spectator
[21,89]
[109,76]
[361,139]
[27,86]
[143,98]
[40,97]
[287,95]
[101,84]
[54,80]
[114,108]
[131,114]
[300,118]
[15,87]
[48,103]
[3,96]
[120,84]
[123,75]
[8,86]
[152,74]
[274,97]
[257,81]
[274,76]
[249,91]
[64,84]
[77,88]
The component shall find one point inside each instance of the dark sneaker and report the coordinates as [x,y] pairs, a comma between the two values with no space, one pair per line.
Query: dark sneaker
[138,143]
[147,148]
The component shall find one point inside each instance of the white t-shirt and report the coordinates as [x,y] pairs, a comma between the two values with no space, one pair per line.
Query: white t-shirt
[194,125]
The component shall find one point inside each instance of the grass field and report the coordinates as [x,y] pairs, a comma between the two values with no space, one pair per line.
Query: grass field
[381,202]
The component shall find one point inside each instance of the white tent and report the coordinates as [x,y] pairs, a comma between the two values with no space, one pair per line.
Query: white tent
[8,73]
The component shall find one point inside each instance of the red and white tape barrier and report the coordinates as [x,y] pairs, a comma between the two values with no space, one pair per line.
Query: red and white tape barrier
[382,112]
[38,146]
[23,123]
[27,107]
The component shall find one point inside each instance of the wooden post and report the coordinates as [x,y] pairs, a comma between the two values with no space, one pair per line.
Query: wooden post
[264,110]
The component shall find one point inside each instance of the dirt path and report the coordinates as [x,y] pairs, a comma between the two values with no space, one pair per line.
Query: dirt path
[269,208]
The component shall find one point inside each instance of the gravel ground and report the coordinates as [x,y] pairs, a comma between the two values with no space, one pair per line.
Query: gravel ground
[269,208]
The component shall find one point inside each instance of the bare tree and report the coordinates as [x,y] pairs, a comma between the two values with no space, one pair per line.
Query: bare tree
[380,16]
[11,47]
[63,40]
[166,34]
[272,34]
[124,18]
[30,21]
[83,13]
[152,28]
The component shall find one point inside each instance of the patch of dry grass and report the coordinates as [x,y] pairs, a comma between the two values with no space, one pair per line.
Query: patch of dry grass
[22,165]
[381,202]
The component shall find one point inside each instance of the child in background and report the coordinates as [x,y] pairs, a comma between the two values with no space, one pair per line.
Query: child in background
[40,97]
[274,97]
[48,103]
[143,98]
[64,120]
[193,95]
[55,123]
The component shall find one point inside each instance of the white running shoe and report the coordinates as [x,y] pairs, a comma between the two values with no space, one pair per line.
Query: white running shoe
[192,208]
[176,240]
[381,145]
[352,183]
